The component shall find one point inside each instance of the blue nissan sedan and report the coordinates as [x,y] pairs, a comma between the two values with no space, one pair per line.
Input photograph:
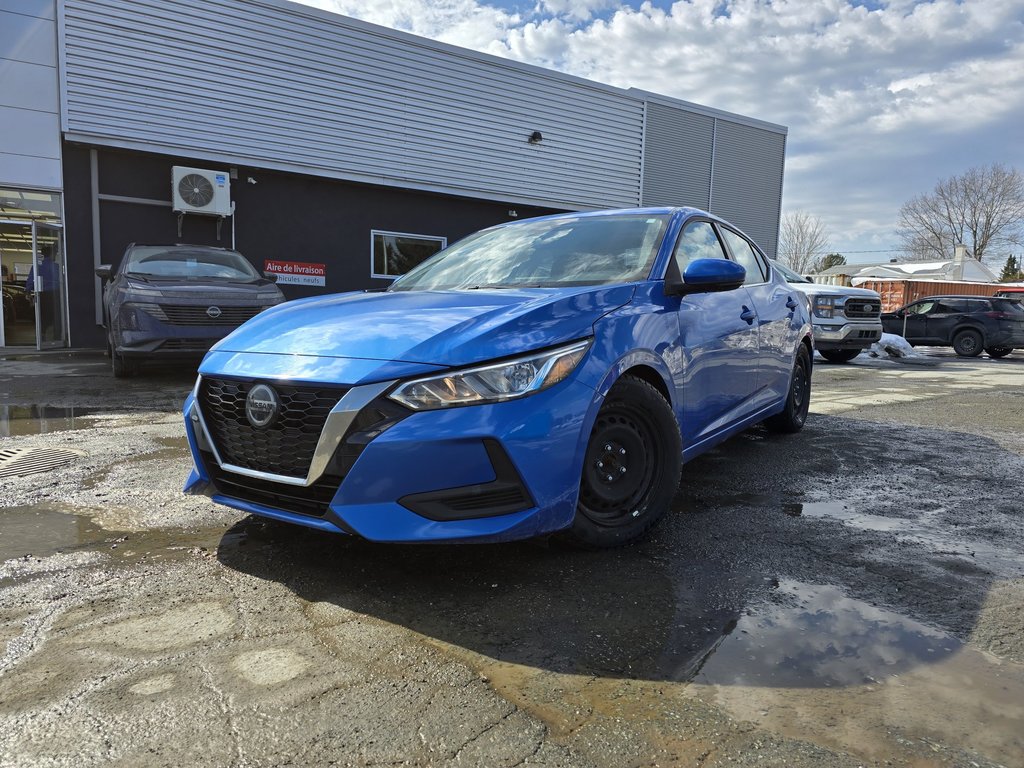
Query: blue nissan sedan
[545,376]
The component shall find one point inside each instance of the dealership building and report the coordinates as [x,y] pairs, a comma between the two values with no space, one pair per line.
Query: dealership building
[330,151]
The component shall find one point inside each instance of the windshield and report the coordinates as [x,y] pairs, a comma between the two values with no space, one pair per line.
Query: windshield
[790,275]
[578,250]
[189,263]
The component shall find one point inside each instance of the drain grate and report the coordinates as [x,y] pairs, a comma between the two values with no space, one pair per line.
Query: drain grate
[28,461]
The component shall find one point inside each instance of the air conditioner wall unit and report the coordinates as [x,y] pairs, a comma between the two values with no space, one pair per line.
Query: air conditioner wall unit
[196,190]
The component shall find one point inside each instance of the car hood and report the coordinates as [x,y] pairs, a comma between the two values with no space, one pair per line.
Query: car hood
[199,290]
[819,289]
[446,328]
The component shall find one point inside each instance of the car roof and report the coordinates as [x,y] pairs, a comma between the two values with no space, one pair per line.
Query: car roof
[955,296]
[179,245]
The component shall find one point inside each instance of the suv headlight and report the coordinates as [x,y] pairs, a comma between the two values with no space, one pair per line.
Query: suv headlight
[824,306]
[493,383]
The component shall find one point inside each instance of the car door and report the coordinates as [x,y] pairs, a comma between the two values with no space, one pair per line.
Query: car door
[718,345]
[775,304]
[942,318]
[909,322]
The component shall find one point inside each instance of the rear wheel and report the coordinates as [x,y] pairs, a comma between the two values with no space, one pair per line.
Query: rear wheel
[839,355]
[793,416]
[967,343]
[631,468]
[998,351]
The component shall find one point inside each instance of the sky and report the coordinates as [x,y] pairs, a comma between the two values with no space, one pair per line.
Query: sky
[881,99]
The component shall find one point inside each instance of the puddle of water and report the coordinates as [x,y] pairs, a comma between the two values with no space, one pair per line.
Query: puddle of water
[925,531]
[17,420]
[817,636]
[40,531]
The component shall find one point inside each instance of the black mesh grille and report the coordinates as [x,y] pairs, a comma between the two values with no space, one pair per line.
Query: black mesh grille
[184,314]
[286,446]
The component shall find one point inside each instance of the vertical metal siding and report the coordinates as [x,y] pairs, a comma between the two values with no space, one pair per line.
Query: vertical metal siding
[748,180]
[276,85]
[677,157]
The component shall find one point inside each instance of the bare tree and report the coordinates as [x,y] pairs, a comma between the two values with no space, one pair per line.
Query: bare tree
[803,241]
[983,209]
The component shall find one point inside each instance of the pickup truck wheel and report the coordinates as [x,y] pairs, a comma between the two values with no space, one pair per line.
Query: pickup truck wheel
[794,414]
[631,467]
[967,343]
[998,352]
[839,355]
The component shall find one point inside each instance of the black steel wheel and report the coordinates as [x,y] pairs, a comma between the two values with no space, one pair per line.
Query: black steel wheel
[998,352]
[967,343]
[631,468]
[794,414]
[839,355]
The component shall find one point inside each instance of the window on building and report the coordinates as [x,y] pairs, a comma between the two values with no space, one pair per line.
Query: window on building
[395,253]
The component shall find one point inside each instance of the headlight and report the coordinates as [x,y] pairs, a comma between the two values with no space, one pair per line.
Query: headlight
[824,306]
[506,380]
[270,299]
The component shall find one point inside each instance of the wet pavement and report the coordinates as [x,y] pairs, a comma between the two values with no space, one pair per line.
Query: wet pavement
[851,595]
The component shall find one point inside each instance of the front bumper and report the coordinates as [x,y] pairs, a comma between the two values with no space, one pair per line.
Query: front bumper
[830,335]
[487,472]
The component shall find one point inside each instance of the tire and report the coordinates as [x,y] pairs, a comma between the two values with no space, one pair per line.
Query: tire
[998,352]
[798,400]
[122,367]
[839,355]
[635,442]
[967,343]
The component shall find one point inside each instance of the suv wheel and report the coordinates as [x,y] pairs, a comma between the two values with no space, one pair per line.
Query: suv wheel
[967,343]
[631,467]
[839,355]
[998,351]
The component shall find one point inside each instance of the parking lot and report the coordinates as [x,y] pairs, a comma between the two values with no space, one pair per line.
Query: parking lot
[849,595]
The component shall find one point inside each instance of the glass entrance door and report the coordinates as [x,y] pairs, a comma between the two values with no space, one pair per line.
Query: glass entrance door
[18,324]
[46,282]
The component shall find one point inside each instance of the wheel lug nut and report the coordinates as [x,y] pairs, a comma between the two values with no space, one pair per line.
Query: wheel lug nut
[600,465]
[607,446]
[622,470]
[609,478]
[622,451]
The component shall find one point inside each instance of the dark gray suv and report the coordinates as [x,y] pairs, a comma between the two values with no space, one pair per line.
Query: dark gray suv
[969,324]
[172,301]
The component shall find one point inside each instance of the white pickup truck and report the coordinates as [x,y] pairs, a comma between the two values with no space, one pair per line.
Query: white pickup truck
[845,320]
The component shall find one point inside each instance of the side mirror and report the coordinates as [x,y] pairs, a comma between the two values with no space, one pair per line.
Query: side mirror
[708,276]
[271,276]
[103,271]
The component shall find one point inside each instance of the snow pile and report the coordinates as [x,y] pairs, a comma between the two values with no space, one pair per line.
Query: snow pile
[891,345]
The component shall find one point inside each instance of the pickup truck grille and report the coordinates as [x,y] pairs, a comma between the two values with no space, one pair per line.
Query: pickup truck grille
[856,308]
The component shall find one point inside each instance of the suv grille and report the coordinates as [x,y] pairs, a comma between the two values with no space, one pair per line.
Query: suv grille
[862,308]
[286,446]
[191,314]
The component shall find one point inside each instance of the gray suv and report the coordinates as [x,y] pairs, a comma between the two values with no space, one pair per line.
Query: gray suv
[173,301]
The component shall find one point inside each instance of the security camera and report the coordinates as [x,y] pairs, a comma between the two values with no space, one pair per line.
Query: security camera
[251,180]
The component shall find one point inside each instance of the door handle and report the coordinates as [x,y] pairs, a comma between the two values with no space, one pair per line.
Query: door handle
[791,304]
[748,315]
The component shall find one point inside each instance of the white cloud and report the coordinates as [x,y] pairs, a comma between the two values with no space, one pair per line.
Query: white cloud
[879,103]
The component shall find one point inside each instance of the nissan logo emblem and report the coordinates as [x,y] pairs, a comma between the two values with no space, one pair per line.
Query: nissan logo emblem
[261,406]
[213,312]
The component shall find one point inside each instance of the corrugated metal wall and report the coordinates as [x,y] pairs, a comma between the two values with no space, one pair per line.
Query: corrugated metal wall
[747,184]
[728,167]
[277,85]
[677,157]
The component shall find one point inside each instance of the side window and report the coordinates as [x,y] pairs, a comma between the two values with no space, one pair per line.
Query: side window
[744,254]
[977,305]
[947,306]
[697,241]
[921,308]
[395,253]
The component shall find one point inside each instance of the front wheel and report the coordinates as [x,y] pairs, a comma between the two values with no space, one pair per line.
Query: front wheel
[839,355]
[122,367]
[998,352]
[798,401]
[631,467]
[967,343]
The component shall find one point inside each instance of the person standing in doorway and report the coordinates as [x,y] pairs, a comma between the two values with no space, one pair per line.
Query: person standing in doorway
[42,282]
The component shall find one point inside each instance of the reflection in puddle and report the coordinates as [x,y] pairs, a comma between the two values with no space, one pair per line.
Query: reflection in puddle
[817,637]
[18,420]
